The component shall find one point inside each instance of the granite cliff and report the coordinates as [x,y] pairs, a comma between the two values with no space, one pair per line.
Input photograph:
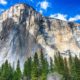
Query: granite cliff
[23,31]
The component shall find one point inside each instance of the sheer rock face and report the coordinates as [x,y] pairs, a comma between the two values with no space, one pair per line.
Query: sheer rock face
[23,31]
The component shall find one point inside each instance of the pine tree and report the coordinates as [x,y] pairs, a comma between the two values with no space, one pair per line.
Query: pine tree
[77,68]
[56,63]
[17,73]
[28,68]
[72,67]
[66,70]
[11,70]
[6,71]
[44,67]
[59,63]
[51,65]
[35,68]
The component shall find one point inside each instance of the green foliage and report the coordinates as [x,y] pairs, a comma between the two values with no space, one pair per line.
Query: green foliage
[44,67]
[37,68]
[28,68]
[6,72]
[51,65]
[17,73]
[59,63]
[77,68]
[66,74]
[69,68]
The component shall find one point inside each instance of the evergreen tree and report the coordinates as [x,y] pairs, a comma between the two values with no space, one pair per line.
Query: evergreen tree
[51,65]
[44,67]
[72,67]
[66,71]
[27,68]
[35,68]
[56,63]
[59,63]
[6,71]
[77,68]
[17,73]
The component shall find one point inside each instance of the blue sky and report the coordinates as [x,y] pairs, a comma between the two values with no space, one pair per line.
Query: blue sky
[68,10]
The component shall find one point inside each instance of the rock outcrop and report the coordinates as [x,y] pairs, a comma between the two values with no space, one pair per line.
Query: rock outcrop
[23,31]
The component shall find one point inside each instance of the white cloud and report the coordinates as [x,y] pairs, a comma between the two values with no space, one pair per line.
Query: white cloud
[59,16]
[3,2]
[75,18]
[44,4]
[64,17]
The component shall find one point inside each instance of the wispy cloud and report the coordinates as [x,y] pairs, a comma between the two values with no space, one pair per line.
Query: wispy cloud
[64,17]
[59,16]
[3,2]
[44,5]
[75,18]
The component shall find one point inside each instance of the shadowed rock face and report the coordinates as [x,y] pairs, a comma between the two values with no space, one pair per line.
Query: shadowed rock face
[15,41]
[23,31]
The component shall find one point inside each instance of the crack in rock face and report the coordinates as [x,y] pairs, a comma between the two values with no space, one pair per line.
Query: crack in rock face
[76,35]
